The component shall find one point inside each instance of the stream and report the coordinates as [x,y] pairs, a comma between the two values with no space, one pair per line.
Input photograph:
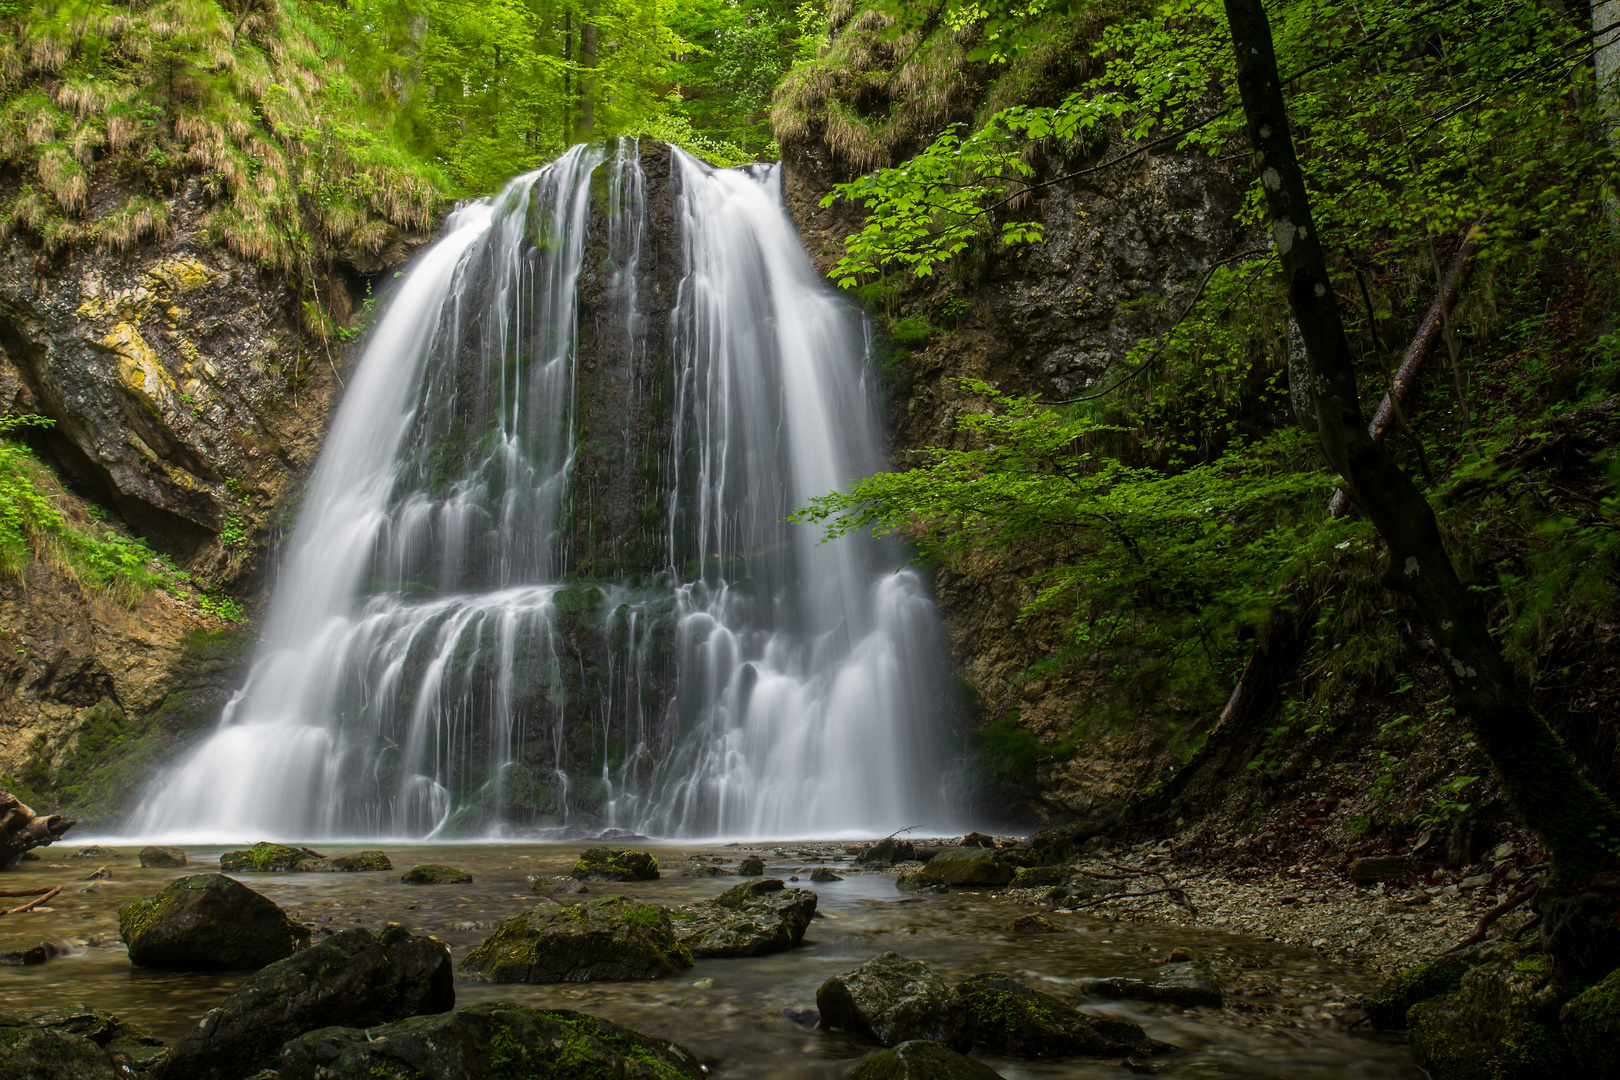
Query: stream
[738,1015]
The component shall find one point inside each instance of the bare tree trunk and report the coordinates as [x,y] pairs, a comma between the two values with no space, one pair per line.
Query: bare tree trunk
[21,829]
[1576,823]
[587,81]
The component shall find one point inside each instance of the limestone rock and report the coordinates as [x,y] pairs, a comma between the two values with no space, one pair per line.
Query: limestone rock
[751,919]
[494,1039]
[969,866]
[435,874]
[355,978]
[753,866]
[921,1059]
[1010,1018]
[1501,1023]
[614,864]
[891,1000]
[1190,983]
[1591,1023]
[208,921]
[821,873]
[163,857]
[615,938]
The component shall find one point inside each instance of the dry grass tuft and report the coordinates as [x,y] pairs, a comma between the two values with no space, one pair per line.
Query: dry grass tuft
[63,177]
[88,137]
[138,219]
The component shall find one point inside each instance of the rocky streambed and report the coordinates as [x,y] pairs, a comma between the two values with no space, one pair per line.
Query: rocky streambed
[1287,1009]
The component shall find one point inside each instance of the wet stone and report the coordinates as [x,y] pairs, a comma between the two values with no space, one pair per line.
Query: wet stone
[615,938]
[162,857]
[968,866]
[1189,983]
[435,874]
[920,881]
[615,864]
[1010,1018]
[208,921]
[752,919]
[821,873]
[921,1059]
[21,950]
[128,1046]
[891,1000]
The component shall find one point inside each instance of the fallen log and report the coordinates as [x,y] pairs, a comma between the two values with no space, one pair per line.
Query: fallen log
[1391,411]
[34,903]
[22,830]
[9,893]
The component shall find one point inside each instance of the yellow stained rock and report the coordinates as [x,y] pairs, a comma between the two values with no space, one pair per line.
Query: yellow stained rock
[180,275]
[139,368]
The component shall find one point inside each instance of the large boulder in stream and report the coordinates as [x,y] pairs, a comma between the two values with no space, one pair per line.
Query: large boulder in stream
[891,1000]
[970,866]
[1190,983]
[494,1039]
[357,979]
[435,874]
[615,864]
[208,921]
[1010,1018]
[615,938]
[73,1042]
[921,1059]
[267,858]
[751,919]
[164,858]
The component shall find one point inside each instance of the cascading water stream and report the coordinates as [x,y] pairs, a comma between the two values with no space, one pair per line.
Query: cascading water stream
[470,635]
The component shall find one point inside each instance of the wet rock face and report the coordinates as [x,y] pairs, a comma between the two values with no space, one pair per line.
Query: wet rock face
[1190,983]
[922,1060]
[891,1000]
[356,979]
[208,921]
[612,864]
[970,866]
[1010,1018]
[495,1040]
[752,919]
[615,938]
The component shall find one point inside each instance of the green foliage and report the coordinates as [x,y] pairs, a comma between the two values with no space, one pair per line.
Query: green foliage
[1008,753]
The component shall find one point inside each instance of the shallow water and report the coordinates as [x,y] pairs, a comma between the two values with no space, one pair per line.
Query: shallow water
[736,1014]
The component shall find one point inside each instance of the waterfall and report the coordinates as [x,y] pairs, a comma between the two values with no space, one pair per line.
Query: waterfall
[543,576]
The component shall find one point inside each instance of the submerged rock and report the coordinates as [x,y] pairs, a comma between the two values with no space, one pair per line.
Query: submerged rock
[31,1051]
[495,1039]
[1010,1018]
[22,950]
[126,1044]
[1038,877]
[435,874]
[1035,923]
[891,1000]
[752,866]
[355,861]
[969,866]
[615,938]
[1501,1023]
[821,873]
[1190,984]
[1591,1023]
[613,864]
[751,919]
[162,857]
[920,881]
[921,1059]
[356,979]
[208,921]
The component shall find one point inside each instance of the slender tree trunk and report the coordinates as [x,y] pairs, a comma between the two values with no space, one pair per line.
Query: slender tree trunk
[587,81]
[1576,823]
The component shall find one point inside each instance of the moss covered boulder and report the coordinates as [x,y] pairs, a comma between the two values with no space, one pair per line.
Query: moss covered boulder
[354,862]
[267,858]
[356,978]
[751,919]
[1039,877]
[1591,1023]
[1500,1024]
[129,1047]
[435,874]
[33,1051]
[1387,1007]
[615,938]
[615,864]
[966,866]
[920,881]
[891,1000]
[1190,983]
[208,921]
[163,857]
[1010,1018]
[495,1039]
[921,1059]
[753,866]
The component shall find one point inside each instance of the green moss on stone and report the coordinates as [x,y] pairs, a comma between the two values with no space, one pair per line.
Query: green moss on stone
[1591,1025]
[1387,1007]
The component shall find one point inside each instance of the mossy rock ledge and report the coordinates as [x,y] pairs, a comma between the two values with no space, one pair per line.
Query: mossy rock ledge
[356,978]
[208,921]
[615,864]
[1015,1020]
[87,1041]
[921,1059]
[891,1000]
[494,1039]
[267,858]
[920,881]
[1501,1024]
[435,874]
[614,938]
[1591,1023]
[750,919]
[1387,1007]
[970,866]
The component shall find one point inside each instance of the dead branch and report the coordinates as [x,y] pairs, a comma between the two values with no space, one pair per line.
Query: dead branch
[1485,920]
[34,903]
[1174,893]
[24,892]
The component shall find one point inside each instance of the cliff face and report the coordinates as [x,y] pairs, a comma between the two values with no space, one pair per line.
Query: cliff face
[188,404]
